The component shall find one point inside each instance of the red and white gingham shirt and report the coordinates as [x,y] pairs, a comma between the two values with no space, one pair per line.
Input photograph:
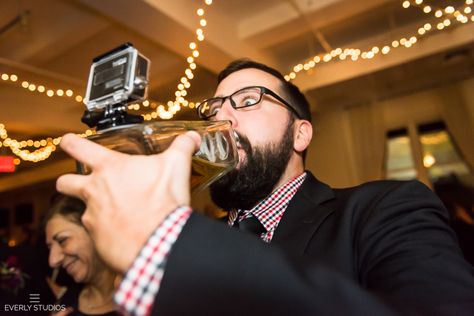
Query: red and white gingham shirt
[141,283]
[137,290]
[270,210]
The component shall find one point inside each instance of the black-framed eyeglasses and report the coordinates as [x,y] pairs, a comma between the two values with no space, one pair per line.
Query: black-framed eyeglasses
[243,98]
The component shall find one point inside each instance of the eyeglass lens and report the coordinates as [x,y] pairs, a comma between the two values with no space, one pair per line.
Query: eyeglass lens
[239,99]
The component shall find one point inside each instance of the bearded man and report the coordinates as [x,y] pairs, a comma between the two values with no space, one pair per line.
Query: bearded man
[381,248]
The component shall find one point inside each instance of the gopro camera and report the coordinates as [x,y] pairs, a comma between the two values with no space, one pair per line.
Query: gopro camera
[116,79]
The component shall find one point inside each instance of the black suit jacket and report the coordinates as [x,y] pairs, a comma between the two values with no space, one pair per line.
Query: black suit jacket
[380,248]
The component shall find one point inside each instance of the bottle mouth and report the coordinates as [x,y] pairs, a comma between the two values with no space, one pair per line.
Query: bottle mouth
[237,140]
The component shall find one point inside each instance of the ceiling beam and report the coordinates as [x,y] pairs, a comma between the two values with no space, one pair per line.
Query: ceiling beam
[264,30]
[172,25]
[46,41]
[338,71]
[221,30]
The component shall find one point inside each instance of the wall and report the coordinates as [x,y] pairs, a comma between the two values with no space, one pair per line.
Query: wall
[329,155]
[39,195]
[333,153]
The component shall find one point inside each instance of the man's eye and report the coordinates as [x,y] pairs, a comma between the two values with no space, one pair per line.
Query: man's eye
[213,109]
[248,101]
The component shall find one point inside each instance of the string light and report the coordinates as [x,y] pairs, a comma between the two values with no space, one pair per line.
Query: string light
[45,147]
[34,87]
[180,101]
[356,54]
[448,11]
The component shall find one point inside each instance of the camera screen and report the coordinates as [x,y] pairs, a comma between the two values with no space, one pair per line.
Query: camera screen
[110,76]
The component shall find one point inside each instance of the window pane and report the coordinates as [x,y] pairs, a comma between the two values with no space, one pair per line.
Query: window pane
[399,163]
[440,155]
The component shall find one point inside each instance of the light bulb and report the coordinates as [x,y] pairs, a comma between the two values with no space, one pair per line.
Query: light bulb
[449,9]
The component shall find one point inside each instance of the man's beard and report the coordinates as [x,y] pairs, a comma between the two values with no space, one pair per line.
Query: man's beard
[243,188]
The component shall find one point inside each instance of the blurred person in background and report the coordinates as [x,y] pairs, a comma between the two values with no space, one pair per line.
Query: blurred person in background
[72,249]
[459,200]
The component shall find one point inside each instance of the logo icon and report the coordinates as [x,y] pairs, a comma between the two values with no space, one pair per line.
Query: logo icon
[34,298]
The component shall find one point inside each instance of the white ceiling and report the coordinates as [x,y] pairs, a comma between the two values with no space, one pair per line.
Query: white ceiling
[52,42]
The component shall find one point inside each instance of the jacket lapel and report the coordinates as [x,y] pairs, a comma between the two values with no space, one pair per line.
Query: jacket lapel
[304,215]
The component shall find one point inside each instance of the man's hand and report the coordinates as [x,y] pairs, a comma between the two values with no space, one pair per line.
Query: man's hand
[128,196]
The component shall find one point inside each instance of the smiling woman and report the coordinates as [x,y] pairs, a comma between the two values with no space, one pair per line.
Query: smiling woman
[71,248]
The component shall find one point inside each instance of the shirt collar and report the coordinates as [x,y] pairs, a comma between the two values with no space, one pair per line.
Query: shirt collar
[273,206]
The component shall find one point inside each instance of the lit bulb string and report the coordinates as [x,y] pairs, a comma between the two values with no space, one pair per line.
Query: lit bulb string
[354,54]
[461,14]
[45,147]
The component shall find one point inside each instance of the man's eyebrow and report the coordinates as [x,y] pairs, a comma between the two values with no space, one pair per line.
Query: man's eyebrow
[236,89]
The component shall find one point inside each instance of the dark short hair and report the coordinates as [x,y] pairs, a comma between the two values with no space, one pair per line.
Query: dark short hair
[291,93]
[69,207]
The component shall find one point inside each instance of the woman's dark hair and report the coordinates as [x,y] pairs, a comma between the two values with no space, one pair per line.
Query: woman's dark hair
[69,207]
[291,93]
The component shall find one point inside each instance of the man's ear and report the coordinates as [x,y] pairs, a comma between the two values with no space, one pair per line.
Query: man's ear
[303,135]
